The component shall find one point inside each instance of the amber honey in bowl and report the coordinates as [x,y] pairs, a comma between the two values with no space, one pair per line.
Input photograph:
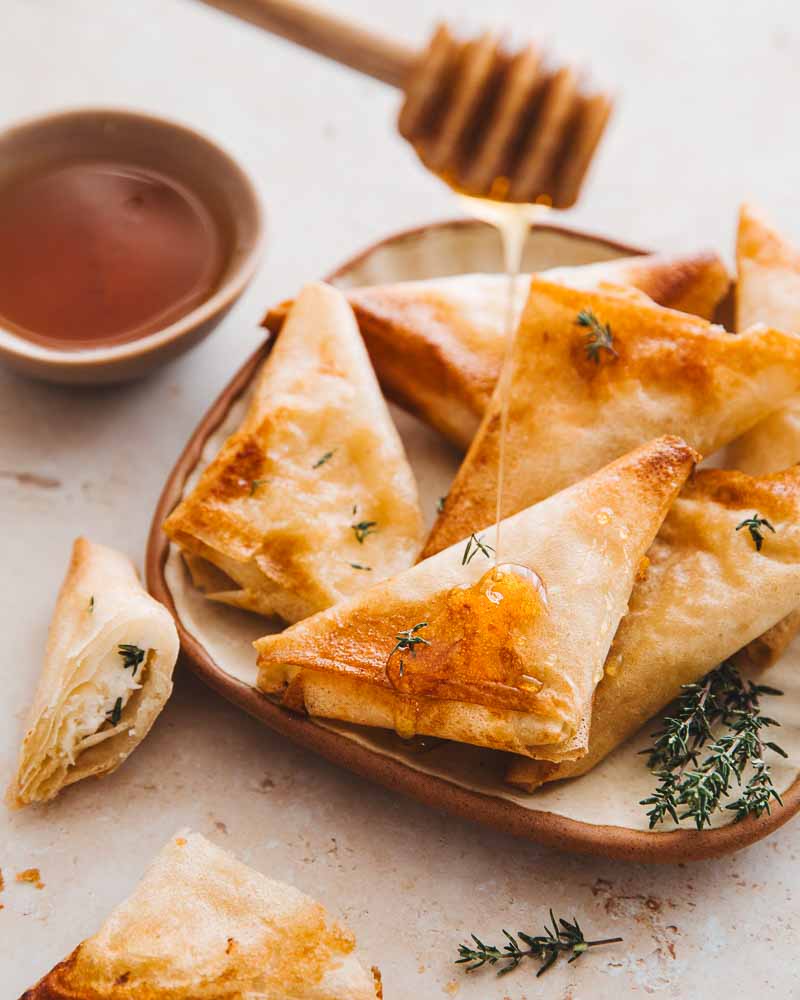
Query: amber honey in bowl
[102,252]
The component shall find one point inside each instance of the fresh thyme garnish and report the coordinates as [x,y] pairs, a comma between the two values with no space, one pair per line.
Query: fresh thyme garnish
[474,546]
[116,712]
[408,639]
[132,656]
[754,525]
[364,528]
[355,509]
[599,337]
[440,504]
[91,604]
[323,459]
[561,938]
[691,787]
[256,484]
[359,566]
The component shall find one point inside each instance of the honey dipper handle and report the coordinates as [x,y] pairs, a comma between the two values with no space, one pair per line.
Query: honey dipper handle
[328,35]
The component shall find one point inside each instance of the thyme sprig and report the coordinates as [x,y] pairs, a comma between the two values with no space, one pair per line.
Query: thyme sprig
[364,528]
[132,656]
[368,569]
[692,785]
[754,525]
[599,338]
[408,640]
[474,546]
[323,459]
[560,938]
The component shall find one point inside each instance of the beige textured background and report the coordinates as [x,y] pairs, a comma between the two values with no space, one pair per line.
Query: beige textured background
[706,117]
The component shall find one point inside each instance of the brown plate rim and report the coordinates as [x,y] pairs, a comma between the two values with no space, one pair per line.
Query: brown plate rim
[615,842]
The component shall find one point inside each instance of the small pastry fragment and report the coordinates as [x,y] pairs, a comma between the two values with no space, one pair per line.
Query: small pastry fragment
[203,926]
[312,498]
[596,374]
[709,590]
[107,674]
[451,331]
[506,657]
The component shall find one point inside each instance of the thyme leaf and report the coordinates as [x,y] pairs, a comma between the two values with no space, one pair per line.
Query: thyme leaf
[323,459]
[256,484]
[116,713]
[754,525]
[364,528]
[132,656]
[599,338]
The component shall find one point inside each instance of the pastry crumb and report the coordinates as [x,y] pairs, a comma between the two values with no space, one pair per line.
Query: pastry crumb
[32,876]
[180,842]
[378,981]
[452,987]
[2,883]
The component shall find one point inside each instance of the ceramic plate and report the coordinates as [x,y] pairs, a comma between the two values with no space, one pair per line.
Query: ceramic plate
[597,813]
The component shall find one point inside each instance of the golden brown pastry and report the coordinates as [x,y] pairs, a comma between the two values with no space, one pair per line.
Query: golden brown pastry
[312,499]
[767,291]
[107,674]
[203,926]
[708,591]
[450,332]
[505,658]
[577,402]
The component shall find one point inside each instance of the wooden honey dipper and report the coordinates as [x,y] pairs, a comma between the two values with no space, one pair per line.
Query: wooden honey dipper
[493,124]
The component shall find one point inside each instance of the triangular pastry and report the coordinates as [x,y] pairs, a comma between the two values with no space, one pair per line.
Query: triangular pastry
[107,674]
[312,498]
[768,291]
[505,658]
[202,926]
[438,344]
[596,374]
[707,592]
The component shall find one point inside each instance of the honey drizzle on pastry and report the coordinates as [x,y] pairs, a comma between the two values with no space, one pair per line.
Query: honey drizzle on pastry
[476,648]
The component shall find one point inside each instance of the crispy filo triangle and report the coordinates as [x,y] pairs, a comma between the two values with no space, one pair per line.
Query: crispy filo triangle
[708,591]
[312,498]
[503,657]
[203,926]
[107,674]
[450,332]
[596,374]
[768,291]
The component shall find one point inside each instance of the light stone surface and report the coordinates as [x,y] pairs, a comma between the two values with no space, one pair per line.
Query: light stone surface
[705,118]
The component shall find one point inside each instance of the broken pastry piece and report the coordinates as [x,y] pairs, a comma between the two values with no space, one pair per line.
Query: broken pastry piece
[107,674]
[506,657]
[701,572]
[451,331]
[596,374]
[312,499]
[203,926]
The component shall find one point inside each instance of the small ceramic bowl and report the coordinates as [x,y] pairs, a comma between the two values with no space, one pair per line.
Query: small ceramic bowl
[148,142]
